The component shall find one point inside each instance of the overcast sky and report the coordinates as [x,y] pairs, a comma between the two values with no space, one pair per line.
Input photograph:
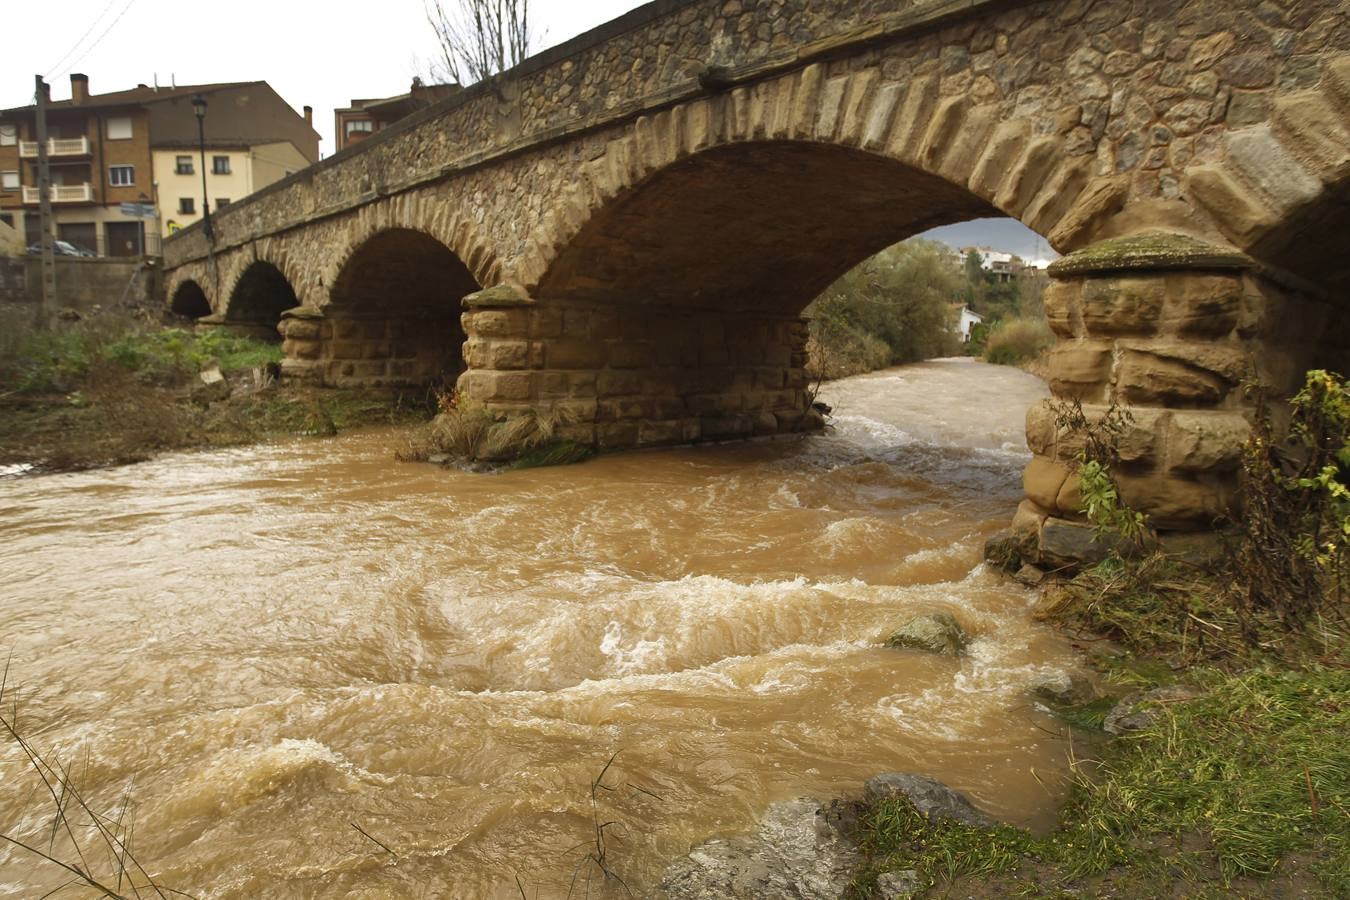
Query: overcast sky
[316,52]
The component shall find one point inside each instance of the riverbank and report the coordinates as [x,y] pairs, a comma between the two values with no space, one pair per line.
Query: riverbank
[100,393]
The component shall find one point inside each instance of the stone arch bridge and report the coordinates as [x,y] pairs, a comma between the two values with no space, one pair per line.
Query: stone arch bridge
[631,224]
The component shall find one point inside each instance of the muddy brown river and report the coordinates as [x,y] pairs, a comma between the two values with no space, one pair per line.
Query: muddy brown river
[266,645]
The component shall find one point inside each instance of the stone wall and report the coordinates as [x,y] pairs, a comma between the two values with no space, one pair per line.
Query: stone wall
[84,283]
[640,377]
[1176,333]
[373,351]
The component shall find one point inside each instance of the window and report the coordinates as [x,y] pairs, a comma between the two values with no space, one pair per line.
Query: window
[220,165]
[122,176]
[359,126]
[186,206]
[9,135]
[119,128]
[182,165]
[9,181]
[221,203]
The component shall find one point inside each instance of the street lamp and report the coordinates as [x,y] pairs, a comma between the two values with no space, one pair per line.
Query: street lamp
[199,108]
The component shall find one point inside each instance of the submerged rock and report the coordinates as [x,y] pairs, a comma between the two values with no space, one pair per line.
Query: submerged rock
[1139,711]
[932,798]
[900,885]
[1064,688]
[800,850]
[934,632]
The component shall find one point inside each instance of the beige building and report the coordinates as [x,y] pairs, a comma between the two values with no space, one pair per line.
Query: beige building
[233,171]
[110,153]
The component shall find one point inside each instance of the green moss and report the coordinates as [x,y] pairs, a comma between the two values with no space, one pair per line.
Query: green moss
[1150,250]
[560,453]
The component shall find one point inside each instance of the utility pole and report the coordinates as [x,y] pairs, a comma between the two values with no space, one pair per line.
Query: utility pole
[44,315]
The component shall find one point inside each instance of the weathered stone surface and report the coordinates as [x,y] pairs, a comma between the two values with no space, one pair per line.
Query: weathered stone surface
[1202,305]
[932,632]
[900,885]
[1122,305]
[1066,543]
[1202,442]
[796,852]
[1062,687]
[1173,502]
[1152,379]
[1148,250]
[930,797]
[1142,710]
[1042,481]
[1079,368]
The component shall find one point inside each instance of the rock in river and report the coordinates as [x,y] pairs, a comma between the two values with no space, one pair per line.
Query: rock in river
[799,851]
[932,798]
[934,632]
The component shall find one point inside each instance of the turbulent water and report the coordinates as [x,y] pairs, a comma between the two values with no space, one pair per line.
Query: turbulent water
[265,646]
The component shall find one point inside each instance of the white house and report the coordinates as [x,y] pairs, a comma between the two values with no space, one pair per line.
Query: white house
[968,320]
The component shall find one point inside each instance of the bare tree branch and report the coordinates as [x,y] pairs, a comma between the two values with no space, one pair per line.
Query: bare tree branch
[478,38]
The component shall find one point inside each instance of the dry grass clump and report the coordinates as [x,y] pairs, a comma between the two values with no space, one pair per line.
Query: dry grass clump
[466,431]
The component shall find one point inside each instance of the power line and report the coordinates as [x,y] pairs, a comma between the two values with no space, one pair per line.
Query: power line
[88,31]
[99,40]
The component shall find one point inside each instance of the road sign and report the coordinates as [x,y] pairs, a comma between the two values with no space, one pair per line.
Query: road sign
[139,210]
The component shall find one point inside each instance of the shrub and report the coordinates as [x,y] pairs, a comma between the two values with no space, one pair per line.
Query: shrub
[468,431]
[1019,340]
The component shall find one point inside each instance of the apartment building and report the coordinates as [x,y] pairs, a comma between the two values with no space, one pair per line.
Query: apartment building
[364,118]
[140,146]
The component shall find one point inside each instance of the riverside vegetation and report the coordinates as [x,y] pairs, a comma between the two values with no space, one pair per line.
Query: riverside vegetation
[1228,683]
[898,307]
[109,390]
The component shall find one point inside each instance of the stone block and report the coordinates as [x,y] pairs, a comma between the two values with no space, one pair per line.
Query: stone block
[616,409]
[551,384]
[1173,503]
[1079,368]
[293,348]
[345,350]
[546,322]
[632,356]
[1042,481]
[1028,518]
[766,423]
[1066,543]
[618,435]
[664,431]
[618,384]
[300,329]
[605,324]
[1152,380]
[576,323]
[498,323]
[1138,443]
[1206,442]
[1041,429]
[1062,310]
[581,384]
[717,355]
[1122,305]
[510,355]
[477,354]
[726,427]
[496,387]
[570,353]
[1202,305]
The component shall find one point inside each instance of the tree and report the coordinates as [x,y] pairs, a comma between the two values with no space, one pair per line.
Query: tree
[478,38]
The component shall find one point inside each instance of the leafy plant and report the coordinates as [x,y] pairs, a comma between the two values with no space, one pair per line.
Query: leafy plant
[1098,451]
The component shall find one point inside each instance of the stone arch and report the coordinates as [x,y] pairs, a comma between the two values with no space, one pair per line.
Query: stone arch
[393,312]
[189,300]
[427,212]
[257,297]
[985,159]
[1281,191]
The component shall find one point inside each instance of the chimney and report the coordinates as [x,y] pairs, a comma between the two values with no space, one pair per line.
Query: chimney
[79,88]
[309,116]
[47,91]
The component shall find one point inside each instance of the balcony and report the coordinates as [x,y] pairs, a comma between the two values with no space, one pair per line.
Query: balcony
[56,147]
[62,193]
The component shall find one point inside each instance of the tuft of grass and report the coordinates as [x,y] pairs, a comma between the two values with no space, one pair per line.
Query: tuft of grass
[468,431]
[1248,780]
[894,835]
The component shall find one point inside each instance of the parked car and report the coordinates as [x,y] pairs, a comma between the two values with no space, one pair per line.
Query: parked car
[63,248]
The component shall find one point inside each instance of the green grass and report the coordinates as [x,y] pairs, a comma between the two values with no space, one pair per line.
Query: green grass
[1215,791]
[61,360]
